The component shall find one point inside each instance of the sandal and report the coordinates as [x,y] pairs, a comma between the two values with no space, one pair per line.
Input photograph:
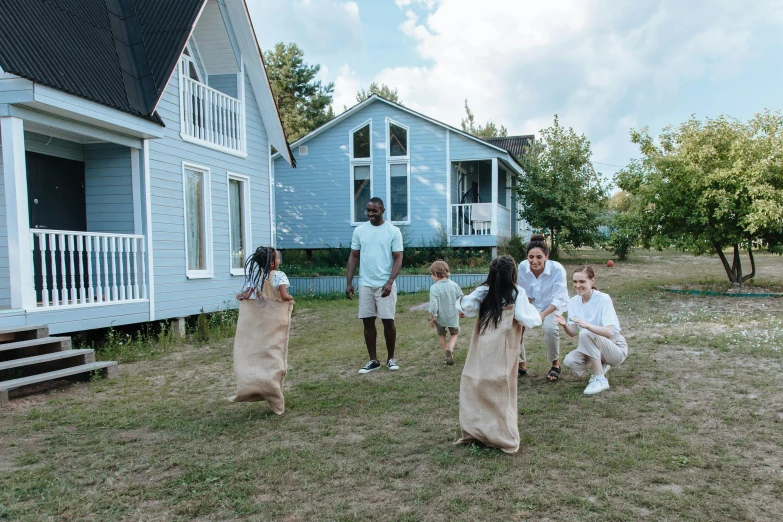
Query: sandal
[554,374]
[522,372]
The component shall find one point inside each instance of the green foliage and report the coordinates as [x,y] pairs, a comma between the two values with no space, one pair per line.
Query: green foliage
[382,90]
[561,193]
[202,328]
[710,185]
[623,224]
[304,102]
[490,130]
[516,248]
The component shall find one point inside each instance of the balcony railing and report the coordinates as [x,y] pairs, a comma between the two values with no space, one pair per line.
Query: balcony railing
[211,116]
[471,219]
[76,268]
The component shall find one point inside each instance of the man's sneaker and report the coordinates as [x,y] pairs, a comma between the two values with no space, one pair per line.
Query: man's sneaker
[606,368]
[370,367]
[598,383]
[392,365]
[449,358]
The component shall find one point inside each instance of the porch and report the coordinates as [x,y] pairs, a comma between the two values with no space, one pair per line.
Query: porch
[482,205]
[75,244]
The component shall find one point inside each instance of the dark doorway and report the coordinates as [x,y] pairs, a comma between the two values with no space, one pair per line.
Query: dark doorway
[56,200]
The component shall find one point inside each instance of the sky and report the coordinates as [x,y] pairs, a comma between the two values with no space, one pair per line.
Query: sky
[604,66]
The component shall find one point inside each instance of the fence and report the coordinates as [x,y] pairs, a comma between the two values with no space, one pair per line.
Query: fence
[405,283]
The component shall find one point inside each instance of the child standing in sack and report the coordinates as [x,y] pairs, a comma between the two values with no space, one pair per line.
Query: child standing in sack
[488,388]
[261,341]
[443,314]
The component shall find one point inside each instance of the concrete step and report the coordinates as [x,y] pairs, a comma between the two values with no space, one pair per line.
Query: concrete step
[49,357]
[23,333]
[107,367]
[29,348]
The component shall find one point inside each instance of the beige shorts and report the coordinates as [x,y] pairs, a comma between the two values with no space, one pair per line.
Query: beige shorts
[371,304]
[453,330]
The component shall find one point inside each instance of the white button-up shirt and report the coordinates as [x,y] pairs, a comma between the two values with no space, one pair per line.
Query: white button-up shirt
[549,288]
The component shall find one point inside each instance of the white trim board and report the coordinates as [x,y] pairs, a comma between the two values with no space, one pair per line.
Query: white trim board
[359,162]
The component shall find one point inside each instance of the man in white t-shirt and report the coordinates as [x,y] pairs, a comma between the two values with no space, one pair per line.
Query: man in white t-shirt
[378,244]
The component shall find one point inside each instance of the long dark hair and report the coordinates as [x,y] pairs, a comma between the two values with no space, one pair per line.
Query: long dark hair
[501,280]
[257,266]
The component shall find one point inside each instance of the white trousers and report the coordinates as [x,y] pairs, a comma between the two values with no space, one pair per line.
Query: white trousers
[551,338]
[609,351]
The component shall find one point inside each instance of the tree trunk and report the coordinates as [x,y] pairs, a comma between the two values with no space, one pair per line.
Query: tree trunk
[553,253]
[726,267]
[736,265]
[752,273]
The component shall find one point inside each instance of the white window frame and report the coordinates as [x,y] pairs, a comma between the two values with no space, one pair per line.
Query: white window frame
[191,57]
[397,160]
[246,214]
[208,273]
[358,162]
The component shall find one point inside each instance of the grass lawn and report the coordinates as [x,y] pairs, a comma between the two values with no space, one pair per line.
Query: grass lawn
[692,428]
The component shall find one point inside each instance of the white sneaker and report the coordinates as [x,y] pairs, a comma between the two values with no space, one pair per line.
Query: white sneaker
[606,368]
[598,383]
[392,365]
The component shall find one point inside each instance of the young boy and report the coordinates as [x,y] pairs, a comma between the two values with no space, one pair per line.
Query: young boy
[443,311]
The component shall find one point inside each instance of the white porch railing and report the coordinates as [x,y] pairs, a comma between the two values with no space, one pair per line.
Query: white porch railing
[76,268]
[466,221]
[211,116]
[504,221]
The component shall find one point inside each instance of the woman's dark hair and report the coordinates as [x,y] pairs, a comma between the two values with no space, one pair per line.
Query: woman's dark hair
[538,241]
[257,266]
[501,281]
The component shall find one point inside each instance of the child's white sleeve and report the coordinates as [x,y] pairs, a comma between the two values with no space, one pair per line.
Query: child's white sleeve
[470,304]
[524,312]
[280,279]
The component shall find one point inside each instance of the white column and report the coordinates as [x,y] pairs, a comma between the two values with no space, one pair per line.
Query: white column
[448,186]
[20,257]
[136,188]
[493,226]
[148,226]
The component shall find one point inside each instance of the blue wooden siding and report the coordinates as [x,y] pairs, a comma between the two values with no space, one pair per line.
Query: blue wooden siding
[53,146]
[464,148]
[313,200]
[175,295]
[107,188]
[225,83]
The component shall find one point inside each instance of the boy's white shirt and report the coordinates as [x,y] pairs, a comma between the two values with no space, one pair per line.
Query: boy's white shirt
[524,312]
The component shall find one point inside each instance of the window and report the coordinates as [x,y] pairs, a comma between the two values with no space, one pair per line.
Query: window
[238,221]
[198,221]
[190,69]
[502,188]
[361,170]
[398,140]
[398,173]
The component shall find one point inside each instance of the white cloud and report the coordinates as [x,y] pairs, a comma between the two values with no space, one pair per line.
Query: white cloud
[603,65]
[346,86]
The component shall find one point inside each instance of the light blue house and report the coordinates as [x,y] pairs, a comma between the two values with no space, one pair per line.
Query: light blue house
[135,157]
[436,180]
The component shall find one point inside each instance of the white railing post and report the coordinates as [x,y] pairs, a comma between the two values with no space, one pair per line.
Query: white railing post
[120,256]
[88,275]
[129,283]
[143,269]
[53,257]
[82,275]
[113,251]
[64,293]
[44,283]
[134,247]
[106,288]
[73,296]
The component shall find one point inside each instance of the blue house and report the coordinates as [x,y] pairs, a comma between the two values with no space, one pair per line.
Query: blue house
[135,157]
[436,181]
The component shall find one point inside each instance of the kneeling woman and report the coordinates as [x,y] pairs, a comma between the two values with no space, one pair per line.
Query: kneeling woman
[488,389]
[591,316]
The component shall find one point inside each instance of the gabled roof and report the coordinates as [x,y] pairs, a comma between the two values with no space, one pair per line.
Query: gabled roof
[119,53]
[515,145]
[374,98]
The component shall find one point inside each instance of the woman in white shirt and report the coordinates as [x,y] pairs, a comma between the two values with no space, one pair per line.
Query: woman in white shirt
[544,282]
[591,316]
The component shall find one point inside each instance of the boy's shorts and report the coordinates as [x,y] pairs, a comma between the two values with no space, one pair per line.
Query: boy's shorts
[371,304]
[453,330]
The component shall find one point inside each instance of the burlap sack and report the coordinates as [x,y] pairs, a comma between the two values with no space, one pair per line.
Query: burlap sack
[488,389]
[261,348]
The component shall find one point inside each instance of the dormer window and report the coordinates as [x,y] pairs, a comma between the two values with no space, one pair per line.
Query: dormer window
[398,173]
[398,140]
[361,170]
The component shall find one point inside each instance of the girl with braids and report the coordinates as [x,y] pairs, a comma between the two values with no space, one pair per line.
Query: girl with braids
[261,341]
[488,389]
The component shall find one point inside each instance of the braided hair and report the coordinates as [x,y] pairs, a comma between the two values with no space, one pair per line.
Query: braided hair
[257,266]
[503,291]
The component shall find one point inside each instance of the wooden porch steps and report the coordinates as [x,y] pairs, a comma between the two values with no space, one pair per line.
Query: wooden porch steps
[28,356]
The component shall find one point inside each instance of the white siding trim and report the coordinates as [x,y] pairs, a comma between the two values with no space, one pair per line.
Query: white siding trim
[213,146]
[397,160]
[136,187]
[358,162]
[247,235]
[208,272]
[272,209]
[448,185]
[493,229]
[148,212]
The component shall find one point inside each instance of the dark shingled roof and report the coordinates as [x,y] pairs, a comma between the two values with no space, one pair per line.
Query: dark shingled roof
[119,53]
[515,145]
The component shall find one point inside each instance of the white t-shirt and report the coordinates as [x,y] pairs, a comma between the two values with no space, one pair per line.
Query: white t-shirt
[279,278]
[549,288]
[599,311]
[375,245]
[524,312]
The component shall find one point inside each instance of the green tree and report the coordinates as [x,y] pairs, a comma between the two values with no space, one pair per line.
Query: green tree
[712,185]
[382,90]
[490,130]
[304,102]
[623,226]
[561,194]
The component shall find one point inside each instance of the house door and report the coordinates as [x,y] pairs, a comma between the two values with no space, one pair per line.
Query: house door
[56,201]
